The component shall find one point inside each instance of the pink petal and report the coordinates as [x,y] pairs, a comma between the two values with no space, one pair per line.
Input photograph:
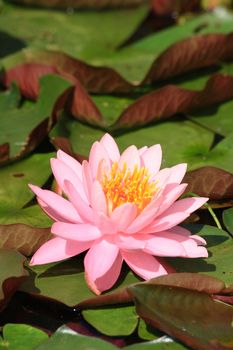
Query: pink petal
[98,199]
[76,232]
[71,162]
[62,207]
[192,250]
[199,240]
[143,264]
[51,212]
[108,279]
[163,245]
[177,173]
[161,178]
[145,217]
[82,207]
[188,205]
[63,172]
[174,193]
[98,154]
[131,157]
[127,242]
[179,230]
[123,215]
[142,150]
[58,249]
[98,261]
[111,147]
[174,215]
[104,223]
[166,222]
[152,158]
[87,179]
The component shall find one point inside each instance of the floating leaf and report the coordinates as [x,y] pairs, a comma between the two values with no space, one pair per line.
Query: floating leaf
[27,77]
[216,118]
[210,182]
[15,177]
[24,238]
[191,142]
[65,336]
[21,337]
[95,79]
[190,316]
[147,332]
[74,33]
[12,275]
[24,128]
[228,219]
[163,343]
[185,56]
[113,321]
[86,4]
[23,229]
[51,281]
[170,100]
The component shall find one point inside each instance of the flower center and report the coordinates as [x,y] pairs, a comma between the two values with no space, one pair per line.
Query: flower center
[122,186]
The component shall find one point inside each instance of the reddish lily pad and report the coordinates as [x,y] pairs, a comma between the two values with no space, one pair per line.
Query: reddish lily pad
[190,316]
[210,182]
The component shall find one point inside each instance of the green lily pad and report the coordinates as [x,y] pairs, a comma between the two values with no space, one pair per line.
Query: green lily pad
[146,332]
[9,99]
[228,219]
[134,61]
[21,337]
[113,321]
[14,178]
[33,216]
[65,337]
[23,229]
[17,124]
[188,142]
[219,262]
[51,281]
[216,118]
[12,275]
[74,33]
[163,343]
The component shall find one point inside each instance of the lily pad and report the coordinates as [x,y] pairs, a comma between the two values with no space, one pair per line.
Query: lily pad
[23,229]
[163,343]
[21,337]
[66,337]
[190,316]
[190,144]
[112,321]
[228,219]
[51,281]
[216,118]
[72,32]
[17,125]
[140,55]
[12,275]
[14,178]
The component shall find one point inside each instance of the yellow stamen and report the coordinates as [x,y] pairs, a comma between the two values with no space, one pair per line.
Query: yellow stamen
[123,186]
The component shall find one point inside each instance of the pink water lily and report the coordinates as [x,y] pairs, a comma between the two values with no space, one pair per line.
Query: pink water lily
[119,208]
